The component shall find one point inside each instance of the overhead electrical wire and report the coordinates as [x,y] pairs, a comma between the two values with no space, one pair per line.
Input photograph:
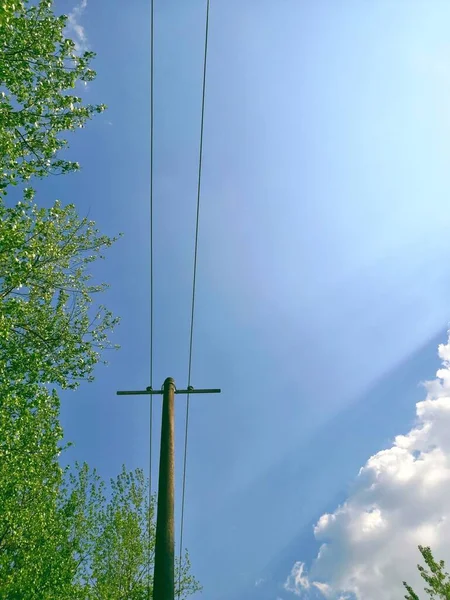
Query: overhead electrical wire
[191,334]
[149,587]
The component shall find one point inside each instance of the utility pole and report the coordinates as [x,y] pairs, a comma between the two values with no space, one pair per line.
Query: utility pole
[164,575]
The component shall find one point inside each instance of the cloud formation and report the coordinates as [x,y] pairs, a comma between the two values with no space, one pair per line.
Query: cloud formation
[400,500]
[75,30]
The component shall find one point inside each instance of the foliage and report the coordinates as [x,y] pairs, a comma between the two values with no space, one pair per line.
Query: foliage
[47,337]
[60,537]
[39,66]
[35,558]
[47,334]
[436,578]
[115,538]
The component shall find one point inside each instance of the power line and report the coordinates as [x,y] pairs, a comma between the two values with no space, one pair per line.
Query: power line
[194,284]
[151,296]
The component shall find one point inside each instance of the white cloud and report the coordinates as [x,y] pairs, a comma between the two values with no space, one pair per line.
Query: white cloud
[297,582]
[74,29]
[400,500]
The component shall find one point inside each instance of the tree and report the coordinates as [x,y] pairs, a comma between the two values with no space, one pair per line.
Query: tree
[39,66]
[49,335]
[60,537]
[436,578]
[36,561]
[49,332]
[115,539]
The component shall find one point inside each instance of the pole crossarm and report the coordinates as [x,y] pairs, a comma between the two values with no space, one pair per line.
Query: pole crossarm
[150,391]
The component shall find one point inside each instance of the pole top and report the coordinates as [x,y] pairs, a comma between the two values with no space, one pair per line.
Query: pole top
[169,381]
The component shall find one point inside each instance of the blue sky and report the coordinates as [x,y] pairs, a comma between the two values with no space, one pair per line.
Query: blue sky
[323,278]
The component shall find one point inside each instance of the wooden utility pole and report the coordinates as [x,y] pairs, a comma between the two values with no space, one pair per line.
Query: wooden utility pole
[164,575]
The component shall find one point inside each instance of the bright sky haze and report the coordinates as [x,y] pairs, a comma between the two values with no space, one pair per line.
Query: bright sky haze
[323,285]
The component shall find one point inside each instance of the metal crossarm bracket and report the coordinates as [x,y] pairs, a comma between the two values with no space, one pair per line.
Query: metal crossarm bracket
[150,391]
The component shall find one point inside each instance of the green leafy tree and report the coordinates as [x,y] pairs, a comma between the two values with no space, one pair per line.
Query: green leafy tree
[435,577]
[115,538]
[39,71]
[49,330]
[49,335]
[60,536]
[36,561]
